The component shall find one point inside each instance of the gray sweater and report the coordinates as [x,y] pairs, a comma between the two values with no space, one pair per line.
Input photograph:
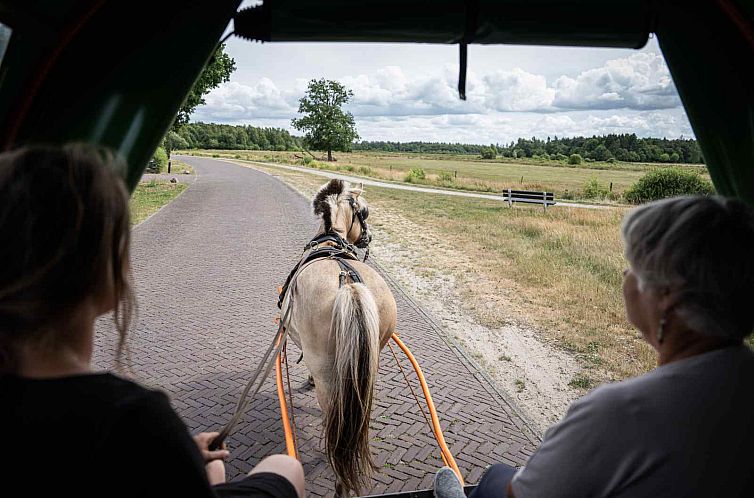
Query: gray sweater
[683,429]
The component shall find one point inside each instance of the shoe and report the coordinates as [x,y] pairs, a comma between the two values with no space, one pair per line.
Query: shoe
[447,484]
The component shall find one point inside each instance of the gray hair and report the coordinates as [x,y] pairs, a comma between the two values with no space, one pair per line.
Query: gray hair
[702,250]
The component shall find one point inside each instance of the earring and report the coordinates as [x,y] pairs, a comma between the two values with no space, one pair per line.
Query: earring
[661,329]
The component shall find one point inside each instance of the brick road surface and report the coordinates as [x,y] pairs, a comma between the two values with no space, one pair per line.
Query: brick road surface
[207,267]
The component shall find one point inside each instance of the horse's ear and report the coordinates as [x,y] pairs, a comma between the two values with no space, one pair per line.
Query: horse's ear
[356,192]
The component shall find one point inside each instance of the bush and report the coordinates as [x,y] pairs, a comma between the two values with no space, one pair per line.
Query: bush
[594,190]
[159,161]
[561,157]
[488,152]
[365,170]
[415,175]
[667,182]
[575,159]
[611,160]
[445,176]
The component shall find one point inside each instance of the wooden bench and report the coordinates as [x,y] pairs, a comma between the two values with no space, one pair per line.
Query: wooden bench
[530,197]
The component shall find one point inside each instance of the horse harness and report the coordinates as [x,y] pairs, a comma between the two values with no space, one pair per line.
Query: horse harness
[330,245]
[326,246]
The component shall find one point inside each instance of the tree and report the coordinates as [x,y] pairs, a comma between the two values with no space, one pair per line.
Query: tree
[218,70]
[324,123]
[174,141]
[489,152]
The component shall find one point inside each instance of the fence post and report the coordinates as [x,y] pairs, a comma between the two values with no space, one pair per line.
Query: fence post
[510,202]
[611,186]
[169,164]
[455,174]
[544,203]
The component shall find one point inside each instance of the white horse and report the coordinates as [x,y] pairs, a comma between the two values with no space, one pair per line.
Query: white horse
[341,325]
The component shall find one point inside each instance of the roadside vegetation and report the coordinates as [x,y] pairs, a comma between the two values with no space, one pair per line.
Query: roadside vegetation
[569,178]
[149,197]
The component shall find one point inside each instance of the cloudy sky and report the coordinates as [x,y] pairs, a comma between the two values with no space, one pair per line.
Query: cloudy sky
[408,92]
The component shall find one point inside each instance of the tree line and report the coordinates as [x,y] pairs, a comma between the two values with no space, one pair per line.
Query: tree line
[624,147]
[221,136]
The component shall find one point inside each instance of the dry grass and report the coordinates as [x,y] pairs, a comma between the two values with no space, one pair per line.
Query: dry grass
[557,271]
[468,172]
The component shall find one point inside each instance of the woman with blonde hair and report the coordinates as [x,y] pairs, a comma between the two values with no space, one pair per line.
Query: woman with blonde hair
[68,430]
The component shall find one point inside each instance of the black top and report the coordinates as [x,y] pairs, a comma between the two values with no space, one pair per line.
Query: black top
[94,435]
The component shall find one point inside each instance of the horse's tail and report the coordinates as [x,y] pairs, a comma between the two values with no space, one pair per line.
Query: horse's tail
[355,328]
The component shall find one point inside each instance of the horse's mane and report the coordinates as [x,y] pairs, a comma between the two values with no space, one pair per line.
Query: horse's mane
[323,201]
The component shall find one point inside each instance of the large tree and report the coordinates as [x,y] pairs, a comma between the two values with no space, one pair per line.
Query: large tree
[325,124]
[218,70]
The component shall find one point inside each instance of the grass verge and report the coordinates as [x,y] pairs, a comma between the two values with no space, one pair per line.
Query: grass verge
[149,197]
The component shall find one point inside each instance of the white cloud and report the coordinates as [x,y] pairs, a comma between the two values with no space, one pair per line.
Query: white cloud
[517,90]
[235,101]
[641,81]
[629,94]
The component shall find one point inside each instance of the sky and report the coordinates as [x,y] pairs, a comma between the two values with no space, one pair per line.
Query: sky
[405,92]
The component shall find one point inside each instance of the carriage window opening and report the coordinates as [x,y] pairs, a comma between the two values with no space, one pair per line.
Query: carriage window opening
[5,33]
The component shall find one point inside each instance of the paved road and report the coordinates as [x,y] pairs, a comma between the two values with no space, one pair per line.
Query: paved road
[207,267]
[398,186]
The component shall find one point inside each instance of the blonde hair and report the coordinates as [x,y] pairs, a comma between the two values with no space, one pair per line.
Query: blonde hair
[65,227]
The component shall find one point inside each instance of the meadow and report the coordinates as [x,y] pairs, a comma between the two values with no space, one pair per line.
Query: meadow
[468,172]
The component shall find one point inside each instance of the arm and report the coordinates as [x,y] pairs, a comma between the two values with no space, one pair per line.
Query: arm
[581,456]
[155,449]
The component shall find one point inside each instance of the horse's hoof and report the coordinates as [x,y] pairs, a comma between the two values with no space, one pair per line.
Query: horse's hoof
[310,380]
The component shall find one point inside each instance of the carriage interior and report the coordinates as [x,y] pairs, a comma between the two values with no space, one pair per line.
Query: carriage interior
[92,70]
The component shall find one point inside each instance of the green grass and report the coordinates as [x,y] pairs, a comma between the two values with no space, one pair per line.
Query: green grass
[179,168]
[467,172]
[149,197]
[581,381]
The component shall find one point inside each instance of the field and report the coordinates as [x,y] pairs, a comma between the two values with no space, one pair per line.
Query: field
[149,197]
[467,172]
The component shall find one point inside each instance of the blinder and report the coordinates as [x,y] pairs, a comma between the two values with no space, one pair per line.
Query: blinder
[362,214]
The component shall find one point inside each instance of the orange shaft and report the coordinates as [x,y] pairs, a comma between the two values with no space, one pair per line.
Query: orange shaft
[446,455]
[290,445]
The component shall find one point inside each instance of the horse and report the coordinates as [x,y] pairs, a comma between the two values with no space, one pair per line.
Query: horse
[341,313]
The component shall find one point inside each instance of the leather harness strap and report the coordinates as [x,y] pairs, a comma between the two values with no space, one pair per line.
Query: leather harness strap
[331,246]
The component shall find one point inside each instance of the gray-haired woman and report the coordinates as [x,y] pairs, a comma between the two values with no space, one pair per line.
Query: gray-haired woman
[687,427]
